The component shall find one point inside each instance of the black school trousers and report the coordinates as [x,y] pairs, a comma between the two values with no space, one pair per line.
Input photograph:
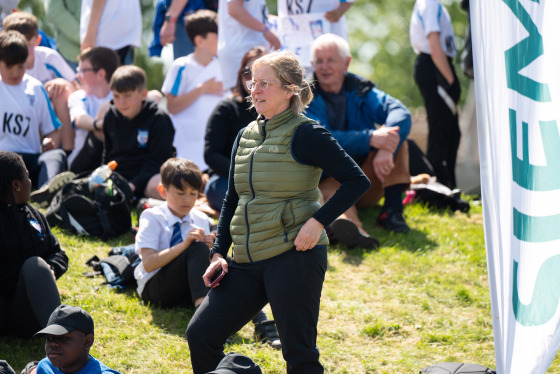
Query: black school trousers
[36,297]
[291,282]
[444,134]
[180,281]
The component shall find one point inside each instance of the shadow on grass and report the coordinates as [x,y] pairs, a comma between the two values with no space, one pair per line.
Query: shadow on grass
[175,321]
[18,352]
[414,241]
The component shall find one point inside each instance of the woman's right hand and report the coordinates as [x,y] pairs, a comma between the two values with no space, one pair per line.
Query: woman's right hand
[218,264]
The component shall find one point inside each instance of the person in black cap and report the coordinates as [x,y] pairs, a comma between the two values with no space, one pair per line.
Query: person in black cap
[69,337]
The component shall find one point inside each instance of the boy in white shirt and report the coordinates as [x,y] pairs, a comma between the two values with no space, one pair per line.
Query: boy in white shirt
[88,106]
[29,122]
[193,87]
[50,68]
[174,240]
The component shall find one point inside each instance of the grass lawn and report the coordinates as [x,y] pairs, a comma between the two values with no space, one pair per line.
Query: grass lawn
[421,299]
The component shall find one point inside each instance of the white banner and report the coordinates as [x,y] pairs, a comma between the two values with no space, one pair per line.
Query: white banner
[297,33]
[517,79]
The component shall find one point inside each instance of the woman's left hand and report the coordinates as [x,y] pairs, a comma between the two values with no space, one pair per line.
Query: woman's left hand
[308,235]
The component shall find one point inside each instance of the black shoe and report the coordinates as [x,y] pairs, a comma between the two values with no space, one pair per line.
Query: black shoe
[265,332]
[347,233]
[392,220]
[44,195]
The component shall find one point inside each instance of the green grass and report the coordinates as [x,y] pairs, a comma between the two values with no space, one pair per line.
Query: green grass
[421,299]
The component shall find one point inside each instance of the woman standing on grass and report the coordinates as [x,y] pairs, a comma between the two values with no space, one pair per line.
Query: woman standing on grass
[30,257]
[272,215]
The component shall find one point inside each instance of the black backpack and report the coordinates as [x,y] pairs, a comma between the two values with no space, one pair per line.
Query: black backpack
[103,213]
[456,368]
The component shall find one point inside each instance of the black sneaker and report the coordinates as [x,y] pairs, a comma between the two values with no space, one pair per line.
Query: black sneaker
[392,220]
[347,233]
[44,195]
[265,332]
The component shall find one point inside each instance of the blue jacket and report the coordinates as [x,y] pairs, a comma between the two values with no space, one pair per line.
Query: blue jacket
[367,108]
[155,47]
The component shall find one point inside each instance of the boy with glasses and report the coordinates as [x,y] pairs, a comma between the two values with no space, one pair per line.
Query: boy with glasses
[88,106]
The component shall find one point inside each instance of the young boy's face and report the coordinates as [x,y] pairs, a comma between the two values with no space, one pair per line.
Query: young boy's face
[68,352]
[89,77]
[209,43]
[12,74]
[179,201]
[129,103]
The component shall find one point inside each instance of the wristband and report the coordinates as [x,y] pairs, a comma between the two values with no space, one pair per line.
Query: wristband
[95,124]
[265,29]
[169,18]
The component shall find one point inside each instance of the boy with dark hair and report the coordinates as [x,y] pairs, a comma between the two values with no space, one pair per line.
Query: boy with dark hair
[69,336]
[138,134]
[193,87]
[50,68]
[88,106]
[174,240]
[29,122]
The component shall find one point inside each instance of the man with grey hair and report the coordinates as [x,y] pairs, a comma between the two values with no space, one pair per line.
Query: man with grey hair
[372,128]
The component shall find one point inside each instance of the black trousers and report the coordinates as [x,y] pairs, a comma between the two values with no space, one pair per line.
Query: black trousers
[89,157]
[180,281]
[35,299]
[44,166]
[292,282]
[444,134]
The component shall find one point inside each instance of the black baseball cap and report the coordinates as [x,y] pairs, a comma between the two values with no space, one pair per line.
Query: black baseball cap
[236,363]
[67,318]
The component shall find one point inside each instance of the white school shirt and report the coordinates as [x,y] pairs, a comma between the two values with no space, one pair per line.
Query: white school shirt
[78,103]
[430,16]
[291,7]
[26,114]
[184,75]
[49,64]
[156,230]
[120,24]
[234,39]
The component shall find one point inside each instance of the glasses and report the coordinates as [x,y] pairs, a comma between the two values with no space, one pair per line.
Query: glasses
[263,85]
[246,73]
[85,70]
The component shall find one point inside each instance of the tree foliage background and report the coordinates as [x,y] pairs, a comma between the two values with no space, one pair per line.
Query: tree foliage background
[379,42]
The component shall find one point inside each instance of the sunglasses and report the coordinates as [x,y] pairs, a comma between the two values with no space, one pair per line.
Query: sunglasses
[246,73]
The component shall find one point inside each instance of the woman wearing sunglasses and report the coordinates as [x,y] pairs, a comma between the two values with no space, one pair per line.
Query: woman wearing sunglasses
[229,116]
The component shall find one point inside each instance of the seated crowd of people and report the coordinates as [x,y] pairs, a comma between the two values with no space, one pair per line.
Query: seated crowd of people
[65,116]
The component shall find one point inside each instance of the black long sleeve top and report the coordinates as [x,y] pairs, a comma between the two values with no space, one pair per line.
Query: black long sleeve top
[229,116]
[139,145]
[25,233]
[312,144]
